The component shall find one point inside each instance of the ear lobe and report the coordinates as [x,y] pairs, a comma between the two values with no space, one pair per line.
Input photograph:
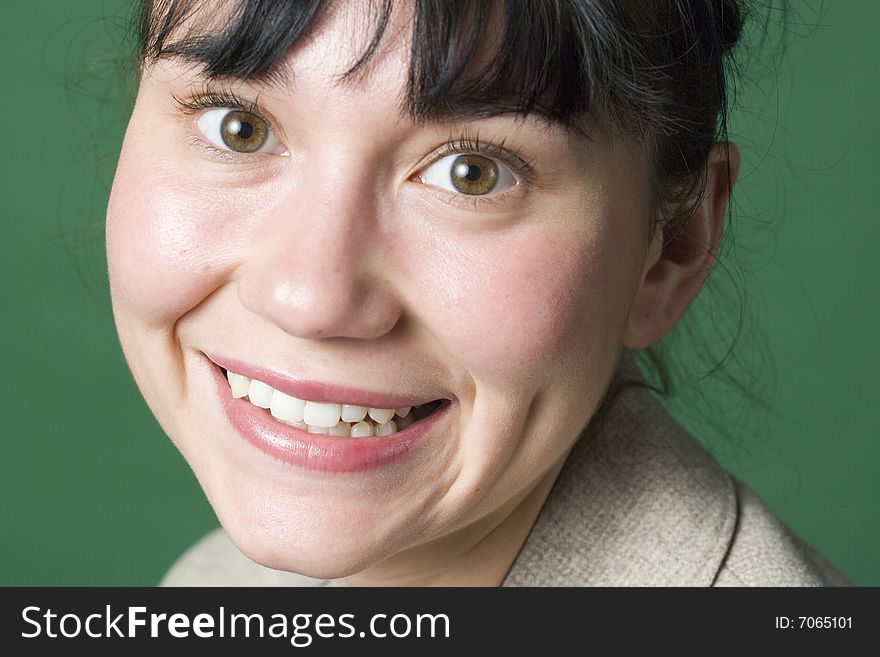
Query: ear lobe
[677,263]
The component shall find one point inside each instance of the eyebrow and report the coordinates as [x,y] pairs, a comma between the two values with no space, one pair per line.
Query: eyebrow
[276,77]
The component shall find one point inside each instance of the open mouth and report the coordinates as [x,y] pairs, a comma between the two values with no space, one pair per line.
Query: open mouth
[330,418]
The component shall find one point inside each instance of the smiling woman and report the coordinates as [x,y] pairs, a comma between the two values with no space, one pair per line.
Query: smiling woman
[378,270]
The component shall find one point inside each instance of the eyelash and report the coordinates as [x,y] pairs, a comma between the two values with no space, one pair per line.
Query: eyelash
[469,143]
[207,99]
[465,143]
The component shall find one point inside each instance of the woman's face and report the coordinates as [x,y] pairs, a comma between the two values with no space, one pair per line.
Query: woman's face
[351,261]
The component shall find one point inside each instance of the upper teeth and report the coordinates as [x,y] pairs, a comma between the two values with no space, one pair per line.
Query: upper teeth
[320,417]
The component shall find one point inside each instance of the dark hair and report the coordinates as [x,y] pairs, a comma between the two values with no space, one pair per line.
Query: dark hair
[656,69]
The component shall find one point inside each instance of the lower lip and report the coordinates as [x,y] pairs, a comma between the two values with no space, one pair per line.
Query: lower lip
[318,451]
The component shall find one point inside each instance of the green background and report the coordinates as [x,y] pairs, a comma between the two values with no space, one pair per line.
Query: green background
[91,491]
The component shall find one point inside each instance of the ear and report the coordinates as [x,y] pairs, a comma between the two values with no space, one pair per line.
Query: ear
[677,265]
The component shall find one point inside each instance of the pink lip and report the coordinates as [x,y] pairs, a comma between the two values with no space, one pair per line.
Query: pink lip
[319,392]
[317,451]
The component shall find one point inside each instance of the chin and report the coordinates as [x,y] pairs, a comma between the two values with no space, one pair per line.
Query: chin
[317,556]
[285,536]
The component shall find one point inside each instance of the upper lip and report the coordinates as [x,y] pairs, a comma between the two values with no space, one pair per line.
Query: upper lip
[318,391]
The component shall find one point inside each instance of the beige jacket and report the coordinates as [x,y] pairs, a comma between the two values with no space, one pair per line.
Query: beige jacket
[637,503]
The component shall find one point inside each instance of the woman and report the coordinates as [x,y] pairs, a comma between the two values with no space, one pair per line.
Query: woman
[378,270]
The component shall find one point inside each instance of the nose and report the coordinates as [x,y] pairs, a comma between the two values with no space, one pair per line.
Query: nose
[316,266]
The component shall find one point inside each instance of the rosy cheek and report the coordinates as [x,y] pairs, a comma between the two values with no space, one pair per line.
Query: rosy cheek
[514,306]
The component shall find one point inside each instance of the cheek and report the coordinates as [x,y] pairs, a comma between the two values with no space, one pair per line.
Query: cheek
[167,247]
[515,307]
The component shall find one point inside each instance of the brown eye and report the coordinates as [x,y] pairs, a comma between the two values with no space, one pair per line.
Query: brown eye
[239,131]
[471,174]
[243,132]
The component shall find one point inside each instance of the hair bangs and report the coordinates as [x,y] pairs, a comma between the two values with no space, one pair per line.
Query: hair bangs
[550,57]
